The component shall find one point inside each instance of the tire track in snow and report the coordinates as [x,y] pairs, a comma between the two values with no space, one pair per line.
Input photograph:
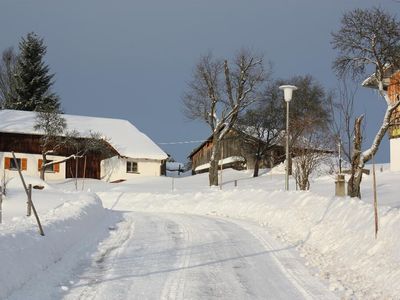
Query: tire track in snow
[103,259]
[298,275]
[175,285]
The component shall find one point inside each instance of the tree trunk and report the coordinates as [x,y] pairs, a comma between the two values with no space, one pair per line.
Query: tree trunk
[76,172]
[290,165]
[256,166]
[213,172]
[353,186]
[43,169]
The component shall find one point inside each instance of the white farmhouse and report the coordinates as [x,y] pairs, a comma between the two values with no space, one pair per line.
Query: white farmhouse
[134,153]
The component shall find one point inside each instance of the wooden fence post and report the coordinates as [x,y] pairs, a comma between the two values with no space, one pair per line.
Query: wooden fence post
[28,203]
[84,174]
[27,194]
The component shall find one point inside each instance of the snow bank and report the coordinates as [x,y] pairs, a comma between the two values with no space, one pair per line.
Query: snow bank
[335,235]
[24,253]
[227,160]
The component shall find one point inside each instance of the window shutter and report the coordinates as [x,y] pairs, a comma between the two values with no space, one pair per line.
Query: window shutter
[7,163]
[24,164]
[40,163]
[56,168]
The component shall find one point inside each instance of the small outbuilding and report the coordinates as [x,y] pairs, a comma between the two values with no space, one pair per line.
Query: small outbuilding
[235,154]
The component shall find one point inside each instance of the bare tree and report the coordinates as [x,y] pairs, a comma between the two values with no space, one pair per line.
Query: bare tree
[342,112]
[312,149]
[261,128]
[94,142]
[52,124]
[218,92]
[7,77]
[368,41]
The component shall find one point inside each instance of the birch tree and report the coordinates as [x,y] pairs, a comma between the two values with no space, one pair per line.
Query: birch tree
[218,92]
[368,41]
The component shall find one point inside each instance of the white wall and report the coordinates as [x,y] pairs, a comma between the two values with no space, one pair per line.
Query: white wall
[114,168]
[395,154]
[32,166]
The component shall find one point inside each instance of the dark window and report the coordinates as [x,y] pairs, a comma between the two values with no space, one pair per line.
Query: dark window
[49,169]
[131,167]
[13,166]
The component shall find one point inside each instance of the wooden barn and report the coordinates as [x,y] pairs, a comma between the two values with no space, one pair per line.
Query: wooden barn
[130,152]
[235,154]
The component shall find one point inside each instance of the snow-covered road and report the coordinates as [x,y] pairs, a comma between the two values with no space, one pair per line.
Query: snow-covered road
[172,256]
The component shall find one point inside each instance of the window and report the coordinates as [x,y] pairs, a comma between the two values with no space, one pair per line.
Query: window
[49,169]
[10,164]
[131,167]
[55,168]
[14,166]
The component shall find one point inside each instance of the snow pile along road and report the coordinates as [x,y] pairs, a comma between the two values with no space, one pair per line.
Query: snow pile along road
[24,253]
[335,235]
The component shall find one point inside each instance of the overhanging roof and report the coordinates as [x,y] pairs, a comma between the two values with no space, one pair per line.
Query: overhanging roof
[124,137]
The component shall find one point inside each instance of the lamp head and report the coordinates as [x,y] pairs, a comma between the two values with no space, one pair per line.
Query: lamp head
[288,91]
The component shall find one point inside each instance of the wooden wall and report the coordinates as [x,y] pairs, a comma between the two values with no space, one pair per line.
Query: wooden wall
[233,146]
[394,93]
[23,143]
[27,143]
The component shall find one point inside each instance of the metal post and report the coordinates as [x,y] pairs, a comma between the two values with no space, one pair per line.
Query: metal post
[222,164]
[287,147]
[287,95]
[340,157]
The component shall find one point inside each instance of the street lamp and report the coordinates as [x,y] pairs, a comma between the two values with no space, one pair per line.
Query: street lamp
[287,92]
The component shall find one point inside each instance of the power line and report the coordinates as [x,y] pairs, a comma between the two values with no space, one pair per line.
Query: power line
[181,142]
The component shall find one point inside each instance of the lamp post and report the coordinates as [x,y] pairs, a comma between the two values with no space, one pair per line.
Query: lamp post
[287,92]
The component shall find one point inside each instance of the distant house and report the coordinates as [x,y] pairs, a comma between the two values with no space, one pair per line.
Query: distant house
[235,154]
[132,153]
[392,85]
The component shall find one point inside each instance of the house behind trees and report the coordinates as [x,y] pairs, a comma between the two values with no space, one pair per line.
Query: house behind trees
[234,154]
[131,153]
[392,85]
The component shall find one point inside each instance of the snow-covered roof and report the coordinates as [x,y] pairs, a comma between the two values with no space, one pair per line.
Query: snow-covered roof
[125,138]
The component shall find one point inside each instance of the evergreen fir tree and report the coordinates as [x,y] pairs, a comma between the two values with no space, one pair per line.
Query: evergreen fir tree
[33,81]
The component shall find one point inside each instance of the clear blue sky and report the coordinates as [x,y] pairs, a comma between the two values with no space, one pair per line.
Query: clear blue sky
[132,59]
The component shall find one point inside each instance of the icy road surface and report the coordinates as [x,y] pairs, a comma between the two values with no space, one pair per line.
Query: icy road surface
[169,256]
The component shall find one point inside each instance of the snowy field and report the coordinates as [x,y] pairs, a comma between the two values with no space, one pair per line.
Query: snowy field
[330,248]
